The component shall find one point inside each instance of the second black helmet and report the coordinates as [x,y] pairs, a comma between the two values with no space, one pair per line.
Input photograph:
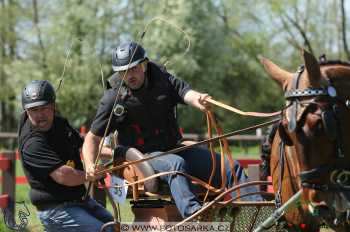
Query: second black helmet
[127,55]
[38,93]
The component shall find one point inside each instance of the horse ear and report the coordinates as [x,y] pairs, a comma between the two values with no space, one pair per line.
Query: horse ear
[312,68]
[281,76]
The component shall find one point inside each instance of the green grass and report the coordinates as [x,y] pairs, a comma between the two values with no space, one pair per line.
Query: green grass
[19,169]
[243,152]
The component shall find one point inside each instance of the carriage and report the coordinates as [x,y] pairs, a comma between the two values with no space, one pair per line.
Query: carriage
[308,162]
[151,201]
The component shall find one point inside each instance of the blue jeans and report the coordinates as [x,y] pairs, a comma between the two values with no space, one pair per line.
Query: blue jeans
[196,162]
[73,217]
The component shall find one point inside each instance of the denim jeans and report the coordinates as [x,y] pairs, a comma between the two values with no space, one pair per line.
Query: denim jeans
[88,216]
[196,162]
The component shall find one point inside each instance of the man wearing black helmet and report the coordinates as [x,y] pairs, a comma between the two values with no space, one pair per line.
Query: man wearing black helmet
[50,156]
[145,118]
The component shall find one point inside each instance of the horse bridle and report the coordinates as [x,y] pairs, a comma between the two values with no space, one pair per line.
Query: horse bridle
[340,174]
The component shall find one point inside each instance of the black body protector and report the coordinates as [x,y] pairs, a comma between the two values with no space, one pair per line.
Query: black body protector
[149,121]
[144,118]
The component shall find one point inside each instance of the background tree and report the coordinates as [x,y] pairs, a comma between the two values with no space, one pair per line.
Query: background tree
[73,39]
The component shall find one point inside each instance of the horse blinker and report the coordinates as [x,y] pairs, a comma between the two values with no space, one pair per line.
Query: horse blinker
[329,124]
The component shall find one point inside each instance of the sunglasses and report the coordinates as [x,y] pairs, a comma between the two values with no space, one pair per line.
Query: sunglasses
[130,70]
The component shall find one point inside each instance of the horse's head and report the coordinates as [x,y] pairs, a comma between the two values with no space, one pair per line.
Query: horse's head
[316,122]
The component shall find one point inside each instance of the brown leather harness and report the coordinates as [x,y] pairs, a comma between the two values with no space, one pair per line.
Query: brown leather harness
[331,125]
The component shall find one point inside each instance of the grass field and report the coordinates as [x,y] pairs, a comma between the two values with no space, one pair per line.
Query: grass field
[126,214]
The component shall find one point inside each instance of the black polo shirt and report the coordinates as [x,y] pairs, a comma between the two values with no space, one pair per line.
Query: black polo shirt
[149,122]
[44,152]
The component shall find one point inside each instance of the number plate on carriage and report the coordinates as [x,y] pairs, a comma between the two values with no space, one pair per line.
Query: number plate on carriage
[118,189]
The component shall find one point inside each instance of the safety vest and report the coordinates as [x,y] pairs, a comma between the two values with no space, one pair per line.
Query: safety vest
[149,119]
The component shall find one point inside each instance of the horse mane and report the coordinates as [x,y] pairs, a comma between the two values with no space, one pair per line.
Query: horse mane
[335,62]
[323,61]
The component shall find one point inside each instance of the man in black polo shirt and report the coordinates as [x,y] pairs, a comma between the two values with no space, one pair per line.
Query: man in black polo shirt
[50,156]
[145,118]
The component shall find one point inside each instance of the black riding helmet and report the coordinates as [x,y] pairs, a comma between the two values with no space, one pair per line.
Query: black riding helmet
[38,93]
[123,56]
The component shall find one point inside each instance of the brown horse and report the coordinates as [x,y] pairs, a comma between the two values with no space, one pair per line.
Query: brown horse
[311,149]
